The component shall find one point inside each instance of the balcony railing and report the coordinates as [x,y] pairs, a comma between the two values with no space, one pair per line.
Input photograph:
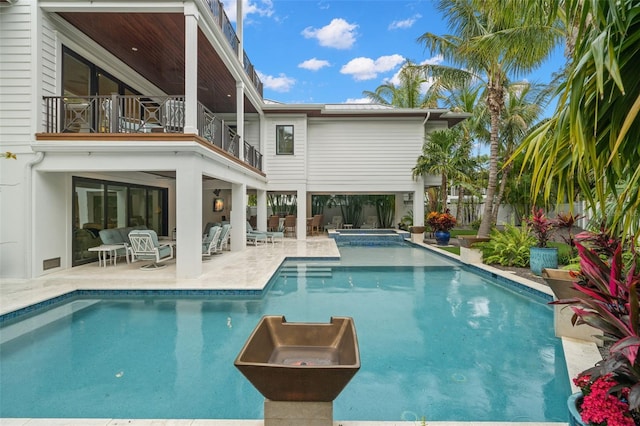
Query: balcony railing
[220,16]
[137,114]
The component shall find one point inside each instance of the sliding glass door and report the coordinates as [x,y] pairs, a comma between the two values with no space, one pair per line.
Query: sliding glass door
[103,204]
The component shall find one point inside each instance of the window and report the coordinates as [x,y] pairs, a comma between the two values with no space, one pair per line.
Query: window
[284,140]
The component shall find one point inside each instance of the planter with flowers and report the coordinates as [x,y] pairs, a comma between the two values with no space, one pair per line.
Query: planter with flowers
[441,224]
[610,391]
[541,256]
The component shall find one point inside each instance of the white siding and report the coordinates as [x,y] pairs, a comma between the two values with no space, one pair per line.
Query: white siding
[364,154]
[15,68]
[49,58]
[287,170]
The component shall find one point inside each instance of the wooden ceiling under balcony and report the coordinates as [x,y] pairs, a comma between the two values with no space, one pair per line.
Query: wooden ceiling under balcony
[153,45]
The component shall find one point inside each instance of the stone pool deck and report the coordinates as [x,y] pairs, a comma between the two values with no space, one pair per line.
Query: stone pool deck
[250,269]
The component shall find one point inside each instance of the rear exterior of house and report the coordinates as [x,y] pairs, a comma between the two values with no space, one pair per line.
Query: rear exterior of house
[151,113]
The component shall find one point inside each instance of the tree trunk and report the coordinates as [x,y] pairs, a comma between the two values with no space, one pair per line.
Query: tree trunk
[503,185]
[443,188]
[495,100]
[459,204]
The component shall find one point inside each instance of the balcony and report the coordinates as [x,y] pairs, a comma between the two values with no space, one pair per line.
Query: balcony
[223,22]
[138,114]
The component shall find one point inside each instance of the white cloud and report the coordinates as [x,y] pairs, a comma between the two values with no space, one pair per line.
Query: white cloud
[404,24]
[314,64]
[367,68]
[436,60]
[281,83]
[249,7]
[338,34]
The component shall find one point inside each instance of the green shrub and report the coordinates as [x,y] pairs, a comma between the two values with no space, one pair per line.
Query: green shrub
[565,256]
[509,247]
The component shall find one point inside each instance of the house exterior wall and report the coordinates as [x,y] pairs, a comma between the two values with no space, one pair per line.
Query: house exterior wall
[286,172]
[371,154]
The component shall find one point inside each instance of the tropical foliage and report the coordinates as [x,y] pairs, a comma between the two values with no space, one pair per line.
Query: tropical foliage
[509,247]
[444,153]
[541,226]
[592,137]
[490,44]
[609,302]
[441,221]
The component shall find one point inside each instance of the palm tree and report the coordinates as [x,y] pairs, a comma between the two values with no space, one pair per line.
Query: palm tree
[593,136]
[522,109]
[491,41]
[408,94]
[444,152]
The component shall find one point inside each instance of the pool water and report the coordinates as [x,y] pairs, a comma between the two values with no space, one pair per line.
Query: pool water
[435,340]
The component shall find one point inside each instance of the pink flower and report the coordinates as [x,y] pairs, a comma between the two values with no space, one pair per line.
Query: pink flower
[599,406]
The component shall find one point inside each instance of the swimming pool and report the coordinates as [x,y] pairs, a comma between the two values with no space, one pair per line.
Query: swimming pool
[177,353]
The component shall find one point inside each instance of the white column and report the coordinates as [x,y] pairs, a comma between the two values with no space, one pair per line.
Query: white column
[191,68]
[240,31]
[188,225]
[262,209]
[238,216]
[418,204]
[240,116]
[301,223]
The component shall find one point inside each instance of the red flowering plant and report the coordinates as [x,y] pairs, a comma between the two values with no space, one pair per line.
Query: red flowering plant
[603,403]
[608,301]
[441,221]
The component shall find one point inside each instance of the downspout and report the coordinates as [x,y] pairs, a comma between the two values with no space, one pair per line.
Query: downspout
[426,118]
[28,168]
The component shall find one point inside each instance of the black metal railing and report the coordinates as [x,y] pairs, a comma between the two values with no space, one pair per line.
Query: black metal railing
[139,114]
[220,17]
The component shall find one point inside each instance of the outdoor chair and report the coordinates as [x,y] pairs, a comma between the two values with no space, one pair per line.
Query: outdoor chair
[370,223]
[145,246]
[210,242]
[223,241]
[336,223]
[271,235]
[273,224]
[290,225]
[255,237]
[316,223]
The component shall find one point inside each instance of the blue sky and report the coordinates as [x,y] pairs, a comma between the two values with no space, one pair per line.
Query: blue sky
[330,51]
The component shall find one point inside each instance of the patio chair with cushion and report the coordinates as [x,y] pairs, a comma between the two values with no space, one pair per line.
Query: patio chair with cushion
[210,242]
[370,223]
[145,246]
[271,235]
[223,241]
[255,237]
[336,223]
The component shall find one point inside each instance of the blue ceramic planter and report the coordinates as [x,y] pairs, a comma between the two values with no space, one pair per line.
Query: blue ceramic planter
[574,416]
[543,257]
[442,237]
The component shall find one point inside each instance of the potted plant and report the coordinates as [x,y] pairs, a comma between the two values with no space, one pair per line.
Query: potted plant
[609,391]
[541,256]
[441,224]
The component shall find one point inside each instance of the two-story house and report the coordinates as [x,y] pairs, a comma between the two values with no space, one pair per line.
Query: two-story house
[140,112]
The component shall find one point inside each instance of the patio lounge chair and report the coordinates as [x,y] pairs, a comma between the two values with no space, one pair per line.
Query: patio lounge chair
[145,246]
[271,235]
[223,241]
[210,241]
[371,223]
[336,223]
[255,237]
